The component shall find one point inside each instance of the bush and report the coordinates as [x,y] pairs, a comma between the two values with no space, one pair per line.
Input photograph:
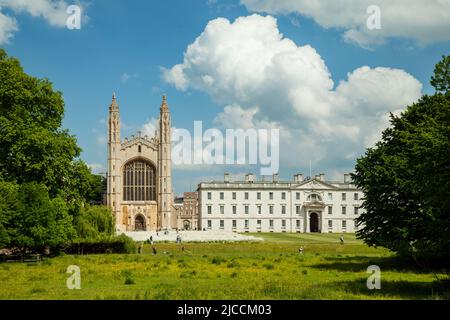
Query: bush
[118,244]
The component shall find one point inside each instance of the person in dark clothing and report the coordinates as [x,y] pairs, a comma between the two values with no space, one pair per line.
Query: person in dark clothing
[154,250]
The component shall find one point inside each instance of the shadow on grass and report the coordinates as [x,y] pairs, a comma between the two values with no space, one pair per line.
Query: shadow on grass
[360,263]
[414,290]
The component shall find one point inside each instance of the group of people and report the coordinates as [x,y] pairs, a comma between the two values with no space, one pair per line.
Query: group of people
[150,241]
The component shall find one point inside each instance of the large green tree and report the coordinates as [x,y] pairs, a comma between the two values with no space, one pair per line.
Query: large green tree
[33,147]
[31,219]
[41,175]
[406,178]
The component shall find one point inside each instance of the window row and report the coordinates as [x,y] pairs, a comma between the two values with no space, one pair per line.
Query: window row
[312,197]
[271,224]
[246,209]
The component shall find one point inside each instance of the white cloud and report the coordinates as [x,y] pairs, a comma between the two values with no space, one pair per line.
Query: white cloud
[126,77]
[8,26]
[422,21]
[149,128]
[267,81]
[52,11]
[97,168]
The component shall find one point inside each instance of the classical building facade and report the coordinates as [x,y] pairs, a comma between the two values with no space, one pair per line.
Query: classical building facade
[301,205]
[187,211]
[139,178]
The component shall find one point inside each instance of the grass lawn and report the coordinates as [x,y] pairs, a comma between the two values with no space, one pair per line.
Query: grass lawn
[272,269]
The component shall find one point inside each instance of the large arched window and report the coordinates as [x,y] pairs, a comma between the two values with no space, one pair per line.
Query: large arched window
[139,181]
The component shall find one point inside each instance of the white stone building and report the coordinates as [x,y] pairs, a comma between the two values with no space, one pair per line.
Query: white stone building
[301,205]
[139,178]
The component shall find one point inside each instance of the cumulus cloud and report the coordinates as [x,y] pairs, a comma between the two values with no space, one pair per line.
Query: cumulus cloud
[8,26]
[265,80]
[149,128]
[422,21]
[52,11]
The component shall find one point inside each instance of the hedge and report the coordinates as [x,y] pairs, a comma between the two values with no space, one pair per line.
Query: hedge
[119,244]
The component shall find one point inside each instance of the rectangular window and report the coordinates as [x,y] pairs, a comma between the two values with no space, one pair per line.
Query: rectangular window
[356,211]
[330,223]
[258,222]
[271,195]
[222,224]
[246,196]
[344,224]
[344,196]
[271,224]
[258,195]
[209,195]
[209,209]
[283,209]
[297,223]
[234,209]
[283,223]
[330,196]
[233,195]
[209,224]
[344,210]
[355,196]
[259,209]
[222,209]
[246,224]
[234,224]
[330,210]
[246,209]
[283,196]
[221,196]
[297,195]
[271,209]
[297,209]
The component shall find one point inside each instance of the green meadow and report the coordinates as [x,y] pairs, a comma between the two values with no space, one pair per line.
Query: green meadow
[272,269]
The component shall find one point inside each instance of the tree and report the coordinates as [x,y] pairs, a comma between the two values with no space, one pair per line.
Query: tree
[33,147]
[34,220]
[93,222]
[42,178]
[441,79]
[406,179]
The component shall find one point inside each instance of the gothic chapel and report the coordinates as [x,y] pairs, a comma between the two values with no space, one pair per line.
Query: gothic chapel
[139,178]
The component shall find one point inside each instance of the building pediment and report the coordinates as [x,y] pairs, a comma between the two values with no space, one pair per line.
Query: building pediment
[315,184]
[152,143]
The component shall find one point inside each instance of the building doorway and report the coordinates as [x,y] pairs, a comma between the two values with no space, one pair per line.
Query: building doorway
[187,225]
[139,223]
[313,222]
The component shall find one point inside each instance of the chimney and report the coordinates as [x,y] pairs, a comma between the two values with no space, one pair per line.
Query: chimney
[249,177]
[226,177]
[347,178]
[322,176]
[275,177]
[298,177]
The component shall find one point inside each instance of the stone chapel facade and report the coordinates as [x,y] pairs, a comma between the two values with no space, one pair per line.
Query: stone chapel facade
[139,178]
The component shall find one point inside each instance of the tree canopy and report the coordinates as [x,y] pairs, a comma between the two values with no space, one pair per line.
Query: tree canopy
[43,183]
[406,178]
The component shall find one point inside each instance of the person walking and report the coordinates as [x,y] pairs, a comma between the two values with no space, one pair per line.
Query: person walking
[341,238]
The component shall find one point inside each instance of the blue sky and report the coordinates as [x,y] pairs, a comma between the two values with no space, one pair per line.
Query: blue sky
[123,46]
